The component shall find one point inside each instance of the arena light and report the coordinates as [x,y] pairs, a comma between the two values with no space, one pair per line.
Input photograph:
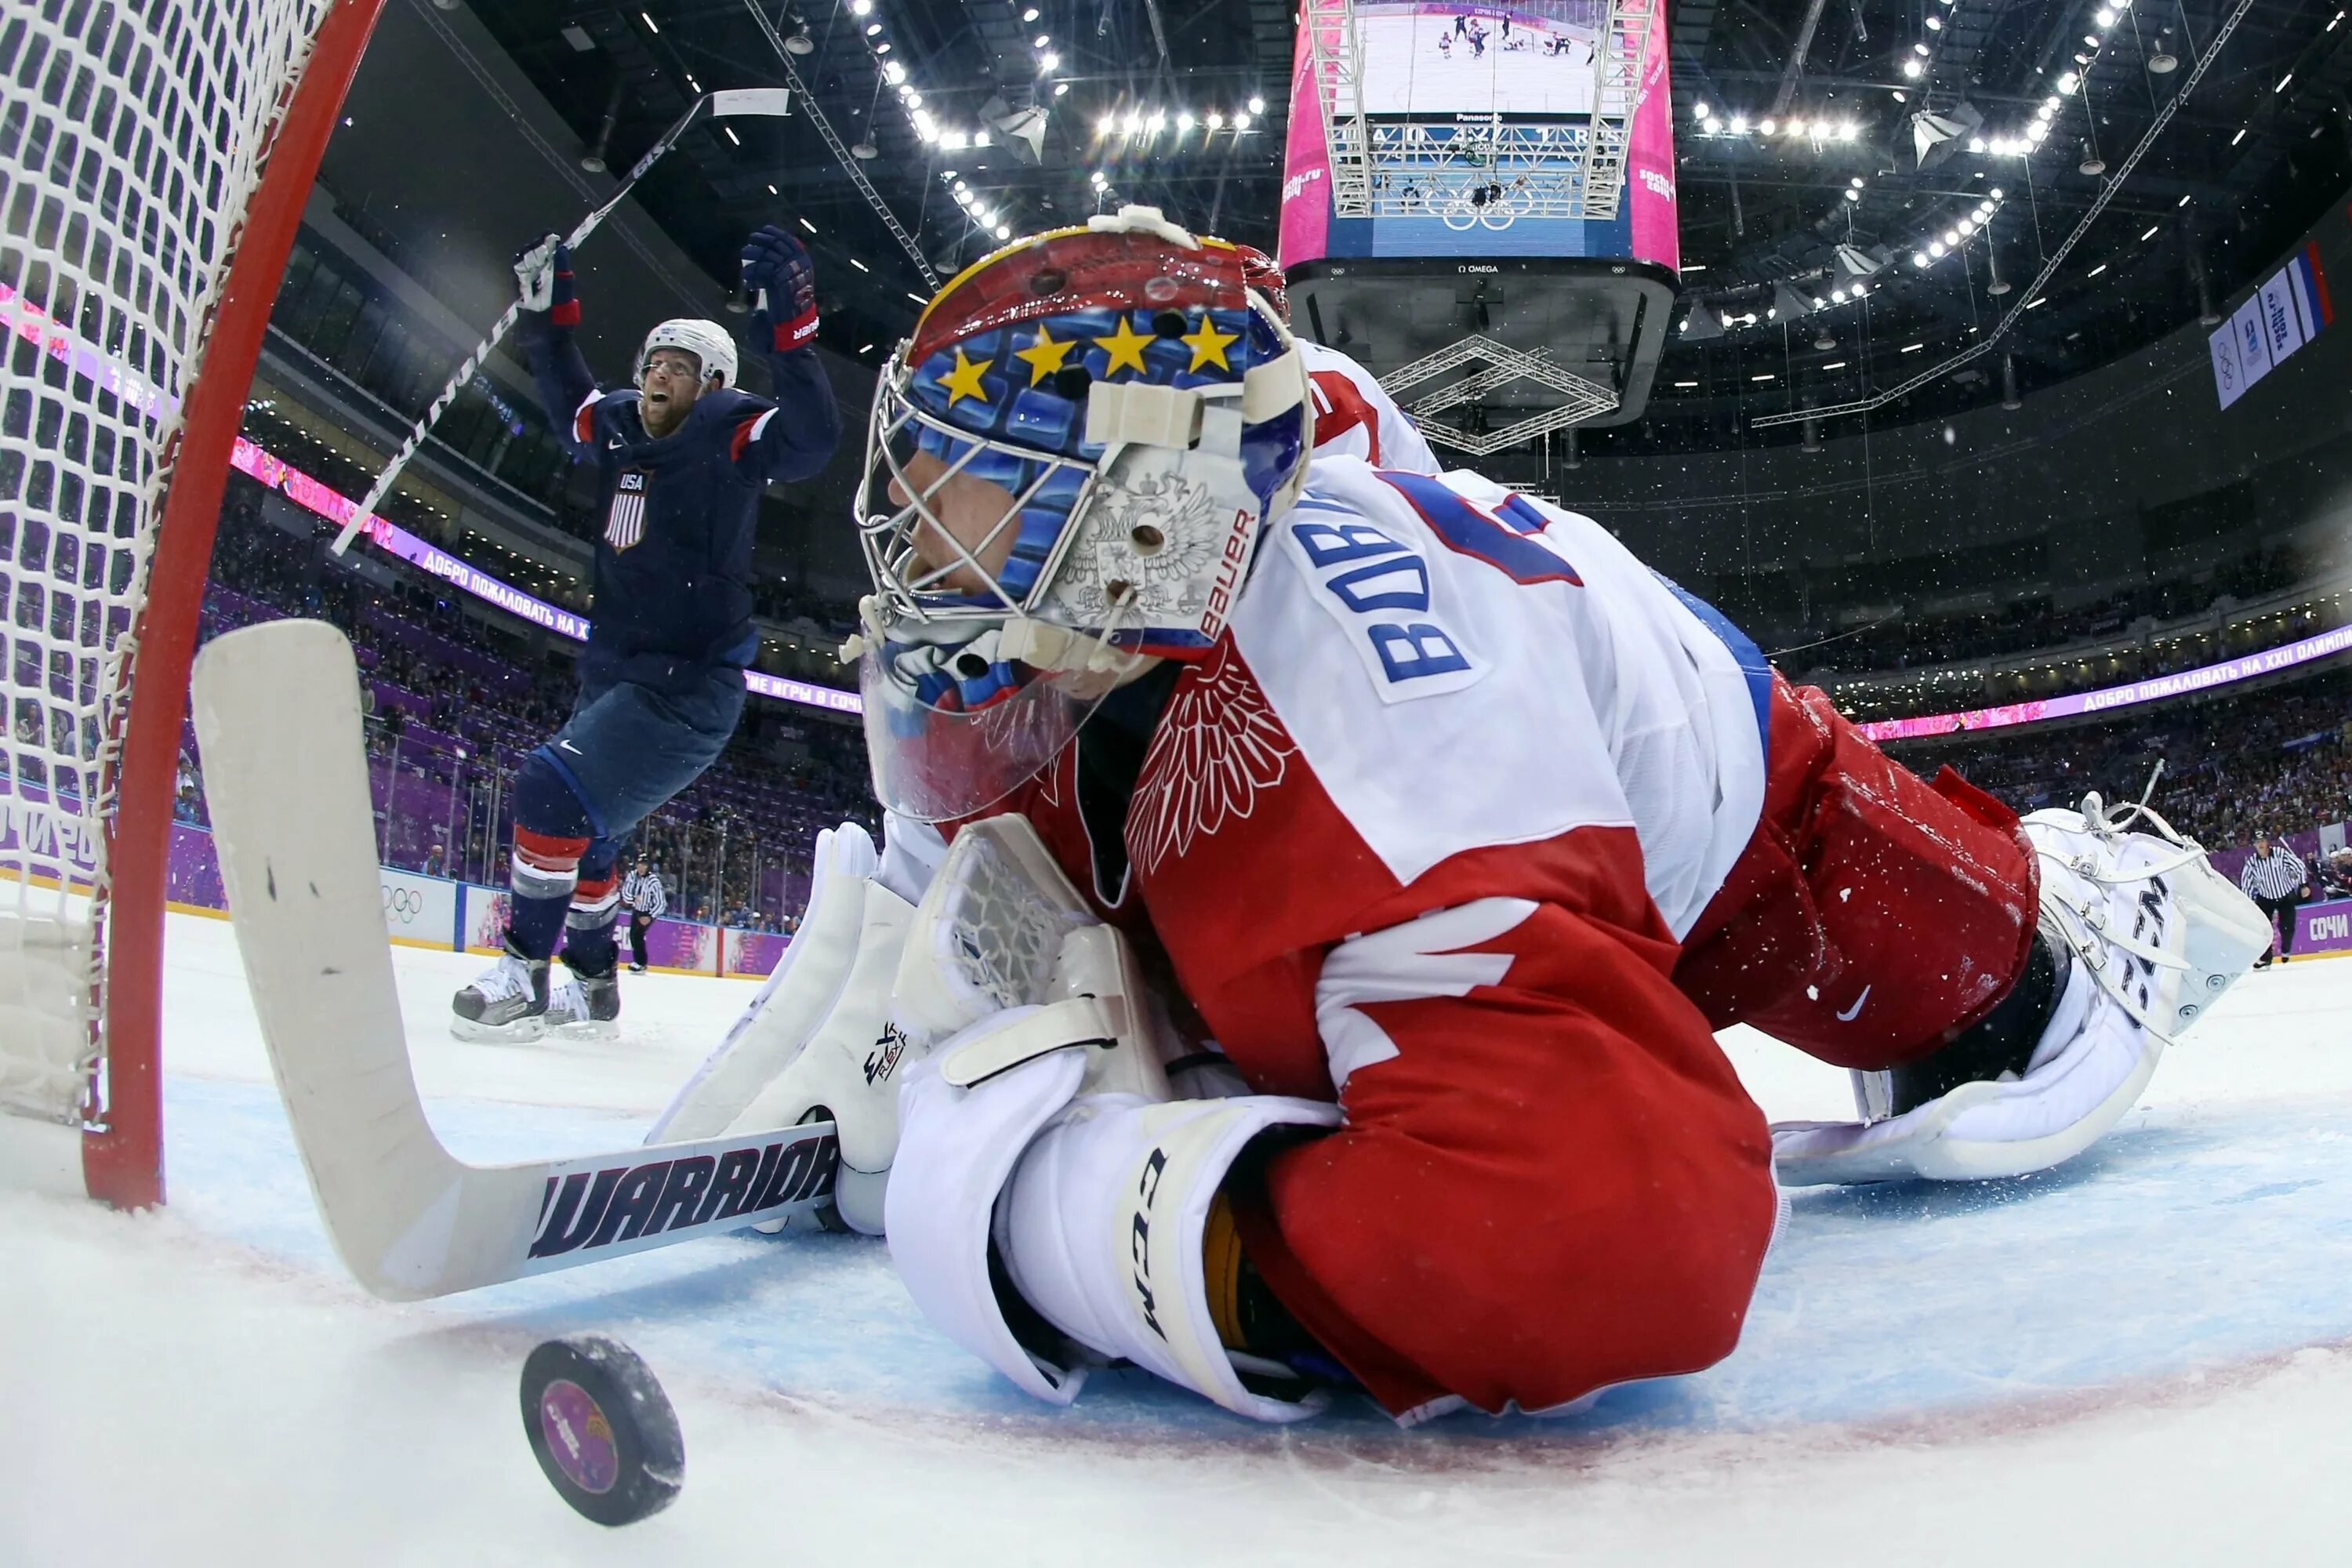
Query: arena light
[1913,68]
[1256,105]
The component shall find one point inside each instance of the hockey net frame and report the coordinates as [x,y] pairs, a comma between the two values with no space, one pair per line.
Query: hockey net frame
[210,121]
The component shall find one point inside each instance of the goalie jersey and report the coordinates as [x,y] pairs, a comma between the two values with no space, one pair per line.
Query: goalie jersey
[1422,833]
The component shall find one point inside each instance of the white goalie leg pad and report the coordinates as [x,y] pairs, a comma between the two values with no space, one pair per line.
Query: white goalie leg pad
[2154,936]
[2093,869]
[818,1034]
[1985,1130]
[1096,1202]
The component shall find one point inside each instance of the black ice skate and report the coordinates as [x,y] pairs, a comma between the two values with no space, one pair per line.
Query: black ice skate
[506,1001]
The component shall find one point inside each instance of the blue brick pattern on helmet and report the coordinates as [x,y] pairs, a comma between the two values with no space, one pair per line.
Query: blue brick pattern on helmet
[1016,403]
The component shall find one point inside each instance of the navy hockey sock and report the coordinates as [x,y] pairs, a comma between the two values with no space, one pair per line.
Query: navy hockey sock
[590,947]
[551,834]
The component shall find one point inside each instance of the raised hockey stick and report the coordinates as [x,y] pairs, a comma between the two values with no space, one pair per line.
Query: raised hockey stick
[769,101]
[277,714]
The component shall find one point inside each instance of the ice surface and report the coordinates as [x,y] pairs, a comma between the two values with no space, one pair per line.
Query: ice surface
[2142,1355]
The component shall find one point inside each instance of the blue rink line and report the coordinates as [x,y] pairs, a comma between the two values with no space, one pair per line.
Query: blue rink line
[2188,1239]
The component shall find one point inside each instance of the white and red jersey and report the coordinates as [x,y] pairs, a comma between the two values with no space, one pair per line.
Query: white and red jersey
[1458,668]
[1354,418]
[1466,823]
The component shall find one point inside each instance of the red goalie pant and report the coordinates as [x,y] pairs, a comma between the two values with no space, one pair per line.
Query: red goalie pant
[1555,1181]
[1875,915]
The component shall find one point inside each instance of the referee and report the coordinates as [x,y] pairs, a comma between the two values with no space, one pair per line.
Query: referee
[2275,878]
[641,894]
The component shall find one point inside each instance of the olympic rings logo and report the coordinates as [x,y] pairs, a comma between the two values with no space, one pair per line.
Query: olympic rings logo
[404,904]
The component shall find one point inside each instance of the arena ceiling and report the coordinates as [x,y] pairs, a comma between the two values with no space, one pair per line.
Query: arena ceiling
[2243,166]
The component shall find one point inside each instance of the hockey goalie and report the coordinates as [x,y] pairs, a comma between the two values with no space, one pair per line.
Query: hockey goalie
[1311,889]
[1312,886]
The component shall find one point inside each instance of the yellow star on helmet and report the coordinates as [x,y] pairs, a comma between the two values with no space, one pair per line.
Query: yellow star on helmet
[1045,356]
[1208,343]
[964,380]
[1125,346]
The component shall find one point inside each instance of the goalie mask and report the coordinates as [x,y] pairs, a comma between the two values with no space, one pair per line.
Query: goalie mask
[1067,471]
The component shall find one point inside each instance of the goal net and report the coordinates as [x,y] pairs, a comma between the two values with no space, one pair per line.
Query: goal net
[154,156]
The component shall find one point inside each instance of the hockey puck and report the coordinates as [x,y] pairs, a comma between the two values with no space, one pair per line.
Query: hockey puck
[601,1428]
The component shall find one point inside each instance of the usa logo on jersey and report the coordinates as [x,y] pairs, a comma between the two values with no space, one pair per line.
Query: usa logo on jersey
[624,524]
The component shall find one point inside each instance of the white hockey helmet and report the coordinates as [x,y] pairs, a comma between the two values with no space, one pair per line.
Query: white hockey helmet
[712,346]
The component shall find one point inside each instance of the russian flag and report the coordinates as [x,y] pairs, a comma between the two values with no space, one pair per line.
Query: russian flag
[2311,288]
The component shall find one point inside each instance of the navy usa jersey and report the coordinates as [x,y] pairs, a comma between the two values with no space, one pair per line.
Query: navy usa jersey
[673,572]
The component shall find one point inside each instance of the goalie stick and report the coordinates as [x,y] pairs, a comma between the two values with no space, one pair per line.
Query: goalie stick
[278,716]
[770,101]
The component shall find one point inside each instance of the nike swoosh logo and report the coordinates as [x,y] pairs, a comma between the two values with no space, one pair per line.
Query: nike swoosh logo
[1847,1017]
[568,746]
[614,444]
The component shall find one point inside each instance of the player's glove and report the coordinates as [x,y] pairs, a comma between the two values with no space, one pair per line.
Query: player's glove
[543,277]
[777,269]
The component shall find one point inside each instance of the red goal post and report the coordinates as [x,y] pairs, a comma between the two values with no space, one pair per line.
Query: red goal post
[155,156]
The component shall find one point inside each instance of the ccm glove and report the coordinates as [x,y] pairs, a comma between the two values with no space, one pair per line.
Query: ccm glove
[543,276]
[776,266]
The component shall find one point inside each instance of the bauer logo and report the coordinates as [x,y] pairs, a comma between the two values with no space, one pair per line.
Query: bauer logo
[618,1208]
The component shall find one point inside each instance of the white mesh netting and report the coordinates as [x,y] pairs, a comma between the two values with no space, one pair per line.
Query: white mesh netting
[131,134]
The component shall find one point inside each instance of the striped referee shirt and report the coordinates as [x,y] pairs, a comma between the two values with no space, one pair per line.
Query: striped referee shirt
[2277,875]
[644,894]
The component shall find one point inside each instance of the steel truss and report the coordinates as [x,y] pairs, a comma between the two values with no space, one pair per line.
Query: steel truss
[1580,397]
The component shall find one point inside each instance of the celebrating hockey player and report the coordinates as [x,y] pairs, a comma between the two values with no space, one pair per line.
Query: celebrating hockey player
[682,458]
[1341,871]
